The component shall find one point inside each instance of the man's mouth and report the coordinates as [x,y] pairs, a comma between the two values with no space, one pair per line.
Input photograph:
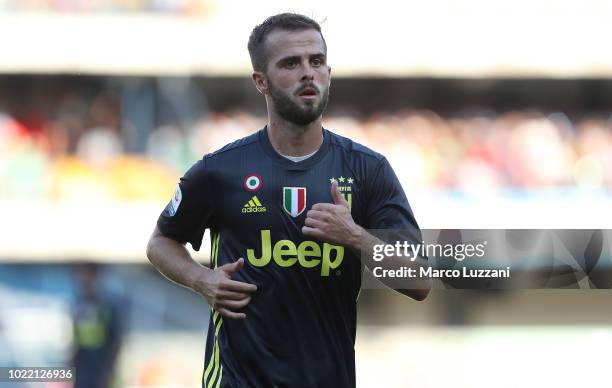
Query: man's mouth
[308,93]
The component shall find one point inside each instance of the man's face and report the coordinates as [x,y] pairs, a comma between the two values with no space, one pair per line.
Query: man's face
[298,75]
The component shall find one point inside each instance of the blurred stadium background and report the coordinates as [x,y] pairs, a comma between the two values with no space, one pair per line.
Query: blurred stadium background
[493,116]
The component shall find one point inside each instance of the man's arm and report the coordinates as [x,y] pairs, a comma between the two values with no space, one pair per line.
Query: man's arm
[223,294]
[333,223]
[364,242]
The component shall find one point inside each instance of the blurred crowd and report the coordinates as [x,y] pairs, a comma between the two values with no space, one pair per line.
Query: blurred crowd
[181,7]
[76,157]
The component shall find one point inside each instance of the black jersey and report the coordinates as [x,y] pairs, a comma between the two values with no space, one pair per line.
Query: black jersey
[301,321]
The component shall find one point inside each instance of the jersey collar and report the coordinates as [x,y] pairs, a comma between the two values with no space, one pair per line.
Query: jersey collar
[264,140]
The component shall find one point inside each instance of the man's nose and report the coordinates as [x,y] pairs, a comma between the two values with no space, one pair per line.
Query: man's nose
[308,71]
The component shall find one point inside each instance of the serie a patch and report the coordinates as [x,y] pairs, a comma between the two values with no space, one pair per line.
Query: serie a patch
[175,201]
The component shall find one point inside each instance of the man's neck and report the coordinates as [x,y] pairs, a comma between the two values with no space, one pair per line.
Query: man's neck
[295,140]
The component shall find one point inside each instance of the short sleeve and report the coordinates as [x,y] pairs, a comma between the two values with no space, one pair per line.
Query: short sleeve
[388,207]
[189,212]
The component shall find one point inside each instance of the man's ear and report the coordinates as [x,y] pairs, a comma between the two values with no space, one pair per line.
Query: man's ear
[260,81]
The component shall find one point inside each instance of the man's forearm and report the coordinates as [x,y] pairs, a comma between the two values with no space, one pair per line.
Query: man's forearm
[363,242]
[173,260]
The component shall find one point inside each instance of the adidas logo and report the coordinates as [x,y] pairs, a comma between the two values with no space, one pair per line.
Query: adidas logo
[253,206]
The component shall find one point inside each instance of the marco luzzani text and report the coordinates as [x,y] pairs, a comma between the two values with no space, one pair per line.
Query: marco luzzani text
[459,252]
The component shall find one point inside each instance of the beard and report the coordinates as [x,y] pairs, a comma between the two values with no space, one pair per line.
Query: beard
[292,112]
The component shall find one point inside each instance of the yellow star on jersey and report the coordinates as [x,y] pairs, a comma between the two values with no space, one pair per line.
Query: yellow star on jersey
[332,180]
[341,179]
[350,181]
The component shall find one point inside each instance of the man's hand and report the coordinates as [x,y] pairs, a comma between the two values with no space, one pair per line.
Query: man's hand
[222,293]
[333,223]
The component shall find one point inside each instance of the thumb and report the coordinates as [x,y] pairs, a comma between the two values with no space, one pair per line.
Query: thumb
[337,196]
[234,267]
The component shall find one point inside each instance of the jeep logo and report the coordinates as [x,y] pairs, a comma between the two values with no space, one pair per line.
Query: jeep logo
[308,254]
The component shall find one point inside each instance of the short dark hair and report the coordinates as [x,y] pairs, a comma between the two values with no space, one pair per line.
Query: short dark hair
[282,21]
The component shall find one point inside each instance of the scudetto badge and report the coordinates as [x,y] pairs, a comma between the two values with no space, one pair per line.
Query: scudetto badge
[294,200]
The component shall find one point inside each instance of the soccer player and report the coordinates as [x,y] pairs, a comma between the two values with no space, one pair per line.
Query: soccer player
[287,208]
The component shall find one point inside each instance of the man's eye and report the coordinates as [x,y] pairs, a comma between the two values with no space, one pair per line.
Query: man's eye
[317,62]
[290,64]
